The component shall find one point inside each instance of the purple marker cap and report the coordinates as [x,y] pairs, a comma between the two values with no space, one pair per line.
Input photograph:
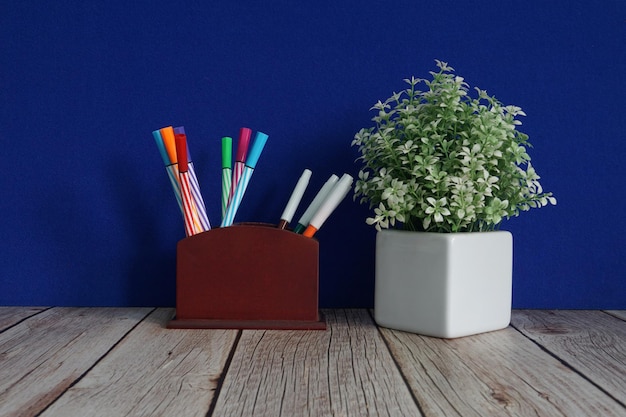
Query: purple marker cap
[180,130]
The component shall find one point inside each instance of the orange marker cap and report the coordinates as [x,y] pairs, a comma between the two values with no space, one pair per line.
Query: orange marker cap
[310,231]
[169,140]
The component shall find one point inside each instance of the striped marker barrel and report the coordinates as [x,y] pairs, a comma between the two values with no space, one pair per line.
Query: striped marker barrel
[198,201]
[237,173]
[191,219]
[172,173]
[226,180]
[237,197]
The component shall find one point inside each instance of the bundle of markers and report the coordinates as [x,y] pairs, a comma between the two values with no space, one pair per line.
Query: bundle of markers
[323,204]
[173,146]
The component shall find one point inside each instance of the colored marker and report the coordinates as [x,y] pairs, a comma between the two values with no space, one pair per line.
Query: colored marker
[171,170]
[190,214]
[196,194]
[169,141]
[253,157]
[240,159]
[338,193]
[294,200]
[315,204]
[227,155]
[159,142]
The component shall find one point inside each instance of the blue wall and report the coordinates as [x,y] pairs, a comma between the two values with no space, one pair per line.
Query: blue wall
[87,216]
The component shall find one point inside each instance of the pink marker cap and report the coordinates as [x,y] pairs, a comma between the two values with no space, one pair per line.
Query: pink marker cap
[242,145]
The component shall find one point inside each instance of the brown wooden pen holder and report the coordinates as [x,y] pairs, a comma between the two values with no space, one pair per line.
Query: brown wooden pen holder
[247,276]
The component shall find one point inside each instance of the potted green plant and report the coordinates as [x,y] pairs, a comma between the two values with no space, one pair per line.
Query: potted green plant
[441,168]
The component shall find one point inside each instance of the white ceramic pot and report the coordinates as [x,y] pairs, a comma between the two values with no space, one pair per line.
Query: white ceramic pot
[443,284]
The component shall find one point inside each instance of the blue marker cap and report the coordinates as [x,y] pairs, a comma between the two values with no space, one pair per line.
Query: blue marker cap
[255,151]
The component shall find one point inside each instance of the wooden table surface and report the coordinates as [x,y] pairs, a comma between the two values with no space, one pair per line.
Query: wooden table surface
[124,362]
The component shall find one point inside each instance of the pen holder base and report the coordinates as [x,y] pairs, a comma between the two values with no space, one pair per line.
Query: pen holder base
[248,276]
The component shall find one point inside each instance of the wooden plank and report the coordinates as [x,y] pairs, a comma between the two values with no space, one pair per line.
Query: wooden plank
[154,371]
[493,374]
[42,356]
[343,371]
[592,342]
[11,315]
[617,313]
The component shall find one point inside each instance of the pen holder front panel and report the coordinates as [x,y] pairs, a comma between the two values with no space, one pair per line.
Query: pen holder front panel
[247,276]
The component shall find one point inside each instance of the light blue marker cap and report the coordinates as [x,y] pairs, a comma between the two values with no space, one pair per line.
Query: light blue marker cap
[159,141]
[254,153]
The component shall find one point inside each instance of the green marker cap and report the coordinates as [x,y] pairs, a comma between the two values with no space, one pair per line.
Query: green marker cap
[227,152]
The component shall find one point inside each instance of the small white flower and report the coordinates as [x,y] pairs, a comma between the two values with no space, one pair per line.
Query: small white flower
[445,159]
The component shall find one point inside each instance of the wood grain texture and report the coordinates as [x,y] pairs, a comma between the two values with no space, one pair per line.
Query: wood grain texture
[592,342]
[152,372]
[123,361]
[42,356]
[344,371]
[494,374]
[12,315]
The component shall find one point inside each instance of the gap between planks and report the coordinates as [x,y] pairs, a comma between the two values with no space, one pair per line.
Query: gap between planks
[44,355]
[354,368]
[12,316]
[344,371]
[153,371]
[590,342]
[508,373]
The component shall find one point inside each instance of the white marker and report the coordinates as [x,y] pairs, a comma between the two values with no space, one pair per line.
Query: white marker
[315,204]
[337,194]
[294,200]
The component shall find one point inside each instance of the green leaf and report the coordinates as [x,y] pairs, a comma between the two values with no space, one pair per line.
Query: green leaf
[440,145]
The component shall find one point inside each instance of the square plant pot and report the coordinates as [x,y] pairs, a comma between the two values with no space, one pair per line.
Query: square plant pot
[444,285]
